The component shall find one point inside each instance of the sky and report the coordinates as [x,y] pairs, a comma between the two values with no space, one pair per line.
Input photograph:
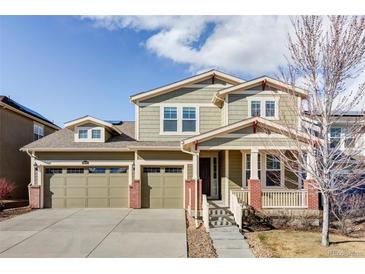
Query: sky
[65,67]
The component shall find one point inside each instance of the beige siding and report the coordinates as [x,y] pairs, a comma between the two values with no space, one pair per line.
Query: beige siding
[149,115]
[16,131]
[235,169]
[164,155]
[238,107]
[190,172]
[127,156]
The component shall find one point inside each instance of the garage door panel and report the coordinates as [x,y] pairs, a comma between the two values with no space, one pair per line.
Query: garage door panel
[97,192]
[162,190]
[97,181]
[118,203]
[75,202]
[86,190]
[98,202]
[79,180]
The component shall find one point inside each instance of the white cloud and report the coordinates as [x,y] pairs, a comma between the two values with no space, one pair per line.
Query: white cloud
[253,45]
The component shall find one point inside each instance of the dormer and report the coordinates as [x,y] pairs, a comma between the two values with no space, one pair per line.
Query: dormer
[92,130]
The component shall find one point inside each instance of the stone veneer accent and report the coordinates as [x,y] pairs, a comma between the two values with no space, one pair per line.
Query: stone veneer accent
[190,194]
[34,196]
[135,194]
[313,199]
[254,188]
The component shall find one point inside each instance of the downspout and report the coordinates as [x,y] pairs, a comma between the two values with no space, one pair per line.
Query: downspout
[34,157]
[195,154]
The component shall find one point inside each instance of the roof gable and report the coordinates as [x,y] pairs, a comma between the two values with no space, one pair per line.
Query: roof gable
[92,120]
[188,81]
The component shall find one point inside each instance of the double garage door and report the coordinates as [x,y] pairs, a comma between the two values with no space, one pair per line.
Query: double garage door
[96,187]
[162,187]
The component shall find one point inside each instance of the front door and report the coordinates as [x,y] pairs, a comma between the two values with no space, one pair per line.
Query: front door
[204,174]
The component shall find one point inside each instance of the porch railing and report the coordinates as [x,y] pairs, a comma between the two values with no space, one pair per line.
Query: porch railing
[236,201]
[205,212]
[284,199]
[242,196]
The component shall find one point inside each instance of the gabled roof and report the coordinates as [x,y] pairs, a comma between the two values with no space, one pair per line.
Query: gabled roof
[263,79]
[191,80]
[96,121]
[15,106]
[239,125]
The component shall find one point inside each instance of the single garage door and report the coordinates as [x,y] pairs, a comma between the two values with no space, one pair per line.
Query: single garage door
[96,187]
[162,187]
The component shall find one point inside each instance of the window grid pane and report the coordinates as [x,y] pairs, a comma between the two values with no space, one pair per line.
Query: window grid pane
[255,108]
[96,134]
[270,108]
[82,133]
[189,119]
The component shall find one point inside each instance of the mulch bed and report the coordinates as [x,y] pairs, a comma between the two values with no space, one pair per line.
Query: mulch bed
[10,213]
[257,248]
[200,244]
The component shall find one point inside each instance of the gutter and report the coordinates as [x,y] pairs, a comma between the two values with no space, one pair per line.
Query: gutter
[196,184]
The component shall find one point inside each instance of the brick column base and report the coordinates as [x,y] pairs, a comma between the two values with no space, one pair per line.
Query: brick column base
[34,196]
[190,194]
[313,200]
[135,194]
[254,189]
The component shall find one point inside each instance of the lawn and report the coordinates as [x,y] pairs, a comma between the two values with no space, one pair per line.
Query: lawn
[304,244]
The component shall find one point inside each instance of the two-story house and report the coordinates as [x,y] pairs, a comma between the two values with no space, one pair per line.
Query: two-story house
[212,126]
[19,126]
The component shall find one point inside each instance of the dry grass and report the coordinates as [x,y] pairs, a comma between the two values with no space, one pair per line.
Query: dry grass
[200,244]
[304,244]
[10,213]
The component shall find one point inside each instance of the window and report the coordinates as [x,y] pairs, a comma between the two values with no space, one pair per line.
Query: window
[273,171]
[115,170]
[75,170]
[38,131]
[96,134]
[173,170]
[335,137]
[255,108]
[53,170]
[82,133]
[151,170]
[189,119]
[96,170]
[270,108]
[170,119]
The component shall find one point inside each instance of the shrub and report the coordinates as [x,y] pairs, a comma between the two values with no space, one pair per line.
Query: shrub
[6,188]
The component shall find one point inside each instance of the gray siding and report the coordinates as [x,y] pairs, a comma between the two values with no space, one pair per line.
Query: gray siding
[210,118]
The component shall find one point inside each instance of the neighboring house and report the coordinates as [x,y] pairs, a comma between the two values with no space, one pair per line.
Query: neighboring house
[19,126]
[212,126]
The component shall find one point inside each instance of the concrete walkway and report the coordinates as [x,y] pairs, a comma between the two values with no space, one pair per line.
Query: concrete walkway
[227,240]
[99,233]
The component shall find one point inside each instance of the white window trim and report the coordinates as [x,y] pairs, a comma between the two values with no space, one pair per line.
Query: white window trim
[89,138]
[262,170]
[179,108]
[40,126]
[262,101]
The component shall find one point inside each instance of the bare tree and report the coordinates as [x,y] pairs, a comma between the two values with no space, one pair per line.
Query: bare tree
[326,53]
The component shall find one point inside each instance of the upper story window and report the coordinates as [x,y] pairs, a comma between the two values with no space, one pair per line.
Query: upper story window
[189,119]
[179,120]
[263,107]
[89,134]
[38,131]
[255,108]
[270,108]
[83,134]
[335,137]
[170,119]
[96,134]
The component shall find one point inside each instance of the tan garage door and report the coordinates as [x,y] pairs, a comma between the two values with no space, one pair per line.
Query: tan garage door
[162,187]
[96,187]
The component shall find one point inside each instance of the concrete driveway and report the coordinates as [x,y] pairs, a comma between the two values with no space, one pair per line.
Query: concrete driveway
[98,233]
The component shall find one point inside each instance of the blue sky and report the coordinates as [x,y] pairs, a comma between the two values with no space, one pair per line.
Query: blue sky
[64,67]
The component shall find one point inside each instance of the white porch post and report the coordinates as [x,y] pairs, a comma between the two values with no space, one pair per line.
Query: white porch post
[196,166]
[310,165]
[137,167]
[226,185]
[254,167]
[32,171]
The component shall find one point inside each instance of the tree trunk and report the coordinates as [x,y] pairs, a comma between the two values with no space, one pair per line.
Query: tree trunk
[326,220]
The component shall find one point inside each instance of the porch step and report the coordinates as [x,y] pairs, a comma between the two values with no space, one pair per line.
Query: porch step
[226,237]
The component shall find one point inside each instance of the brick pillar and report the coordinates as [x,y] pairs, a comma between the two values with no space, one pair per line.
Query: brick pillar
[313,201]
[254,188]
[34,196]
[190,194]
[135,194]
